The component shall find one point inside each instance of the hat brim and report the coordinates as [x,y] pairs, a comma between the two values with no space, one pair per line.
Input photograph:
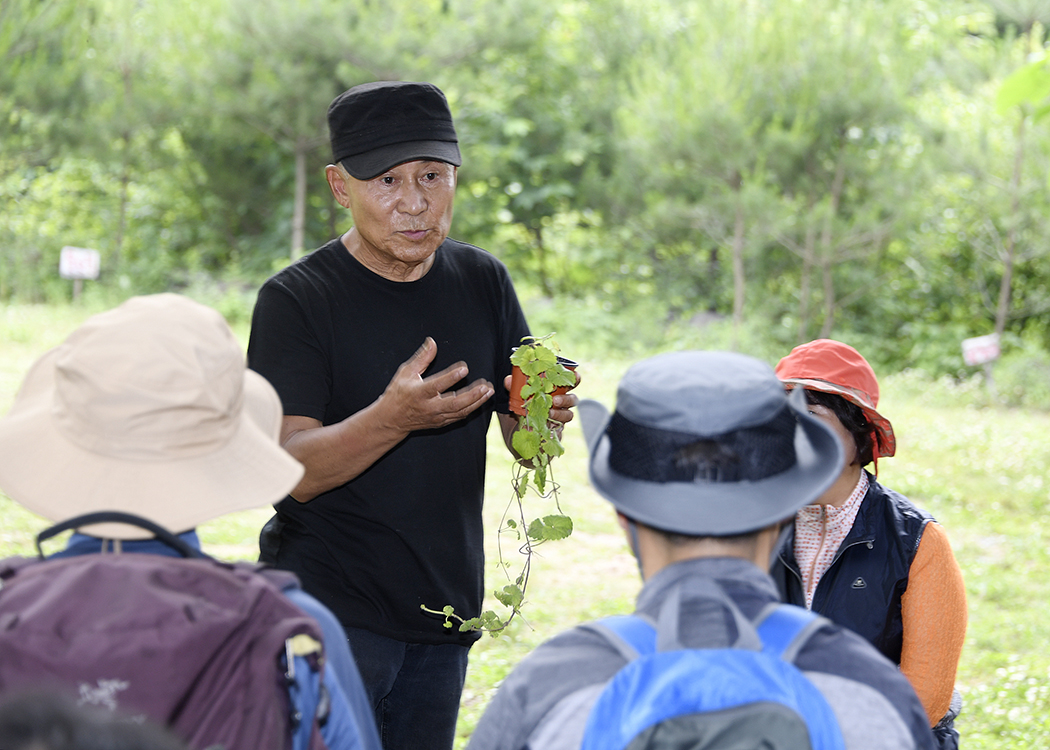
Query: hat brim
[886,441]
[373,163]
[55,478]
[705,508]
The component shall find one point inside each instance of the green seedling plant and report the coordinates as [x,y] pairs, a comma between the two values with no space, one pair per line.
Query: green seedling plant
[536,441]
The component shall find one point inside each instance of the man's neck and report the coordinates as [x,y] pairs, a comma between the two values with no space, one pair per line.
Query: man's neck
[390,270]
[658,553]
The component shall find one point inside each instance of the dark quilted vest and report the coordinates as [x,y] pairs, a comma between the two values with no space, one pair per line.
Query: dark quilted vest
[862,589]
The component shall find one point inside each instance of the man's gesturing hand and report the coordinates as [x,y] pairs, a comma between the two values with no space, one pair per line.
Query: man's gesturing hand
[420,403]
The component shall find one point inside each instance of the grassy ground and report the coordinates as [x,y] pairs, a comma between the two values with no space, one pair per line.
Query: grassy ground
[982,472]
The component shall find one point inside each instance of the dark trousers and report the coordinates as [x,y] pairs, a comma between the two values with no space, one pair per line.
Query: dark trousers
[414,689]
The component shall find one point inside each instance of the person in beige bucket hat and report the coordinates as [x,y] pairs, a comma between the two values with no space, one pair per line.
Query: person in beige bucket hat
[148,412]
[146,408]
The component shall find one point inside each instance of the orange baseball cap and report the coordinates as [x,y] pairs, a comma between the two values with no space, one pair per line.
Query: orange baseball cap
[833,367]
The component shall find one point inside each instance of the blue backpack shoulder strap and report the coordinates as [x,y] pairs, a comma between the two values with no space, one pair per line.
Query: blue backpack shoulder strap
[632,635]
[784,629]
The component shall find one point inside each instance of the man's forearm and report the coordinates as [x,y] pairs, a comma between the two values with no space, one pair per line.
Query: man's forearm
[335,454]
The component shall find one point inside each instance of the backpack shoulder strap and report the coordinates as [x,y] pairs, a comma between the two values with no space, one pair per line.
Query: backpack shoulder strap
[631,635]
[785,629]
[112,516]
[641,635]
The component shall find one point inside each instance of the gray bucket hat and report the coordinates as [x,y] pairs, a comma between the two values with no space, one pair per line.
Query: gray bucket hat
[708,444]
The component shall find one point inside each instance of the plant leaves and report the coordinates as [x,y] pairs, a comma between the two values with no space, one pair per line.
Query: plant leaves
[539,407]
[553,447]
[526,443]
[539,474]
[1029,84]
[550,528]
[531,388]
[509,596]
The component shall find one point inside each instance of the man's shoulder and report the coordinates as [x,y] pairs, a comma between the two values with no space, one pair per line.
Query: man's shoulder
[463,253]
[548,677]
[318,263]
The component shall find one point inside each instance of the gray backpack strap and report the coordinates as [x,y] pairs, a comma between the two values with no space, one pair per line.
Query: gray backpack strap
[671,613]
[630,635]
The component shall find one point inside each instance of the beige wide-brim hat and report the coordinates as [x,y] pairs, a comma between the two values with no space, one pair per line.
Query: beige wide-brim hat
[147,409]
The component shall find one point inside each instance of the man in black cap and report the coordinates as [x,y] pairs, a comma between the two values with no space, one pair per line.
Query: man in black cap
[703,459]
[389,347]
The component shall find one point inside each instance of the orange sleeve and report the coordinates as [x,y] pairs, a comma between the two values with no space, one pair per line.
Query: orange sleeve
[933,611]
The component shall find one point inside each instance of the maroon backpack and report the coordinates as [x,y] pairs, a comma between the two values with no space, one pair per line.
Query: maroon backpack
[194,644]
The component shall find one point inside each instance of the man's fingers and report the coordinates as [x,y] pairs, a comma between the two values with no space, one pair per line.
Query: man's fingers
[440,382]
[561,409]
[456,405]
[422,357]
[477,392]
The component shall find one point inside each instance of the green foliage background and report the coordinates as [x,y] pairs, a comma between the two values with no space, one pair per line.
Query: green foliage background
[798,168]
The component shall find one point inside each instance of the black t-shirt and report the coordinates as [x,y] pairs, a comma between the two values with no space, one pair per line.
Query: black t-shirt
[329,334]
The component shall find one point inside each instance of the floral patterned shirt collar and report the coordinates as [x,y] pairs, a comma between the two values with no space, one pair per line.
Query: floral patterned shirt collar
[820,531]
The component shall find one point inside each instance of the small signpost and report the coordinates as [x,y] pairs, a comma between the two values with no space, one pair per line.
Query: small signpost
[982,350]
[78,263]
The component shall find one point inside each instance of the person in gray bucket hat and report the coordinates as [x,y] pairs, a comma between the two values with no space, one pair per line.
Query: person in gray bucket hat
[704,459]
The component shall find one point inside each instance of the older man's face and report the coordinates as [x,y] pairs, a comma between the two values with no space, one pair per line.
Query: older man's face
[401,216]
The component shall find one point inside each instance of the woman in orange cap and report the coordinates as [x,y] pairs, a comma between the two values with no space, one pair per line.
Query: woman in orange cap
[865,556]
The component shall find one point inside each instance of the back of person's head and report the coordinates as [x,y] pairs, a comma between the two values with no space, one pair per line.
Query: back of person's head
[51,721]
[147,409]
[707,444]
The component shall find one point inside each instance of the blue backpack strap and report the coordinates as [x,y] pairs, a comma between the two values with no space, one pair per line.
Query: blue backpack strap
[645,691]
[784,629]
[631,635]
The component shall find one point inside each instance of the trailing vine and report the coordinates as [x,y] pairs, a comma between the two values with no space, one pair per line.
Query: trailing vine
[536,441]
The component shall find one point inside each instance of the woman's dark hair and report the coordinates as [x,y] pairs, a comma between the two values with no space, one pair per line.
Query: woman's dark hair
[852,418]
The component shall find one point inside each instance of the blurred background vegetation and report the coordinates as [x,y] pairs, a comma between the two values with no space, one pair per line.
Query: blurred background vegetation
[762,171]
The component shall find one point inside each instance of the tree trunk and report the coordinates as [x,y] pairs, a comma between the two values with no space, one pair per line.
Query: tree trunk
[738,270]
[1006,284]
[809,259]
[541,256]
[827,260]
[125,176]
[299,208]
[122,208]
[714,267]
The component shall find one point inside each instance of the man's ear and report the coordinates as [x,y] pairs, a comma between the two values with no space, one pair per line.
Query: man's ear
[337,184]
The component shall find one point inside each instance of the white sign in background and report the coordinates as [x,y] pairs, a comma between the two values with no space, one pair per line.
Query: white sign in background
[981,349]
[78,263]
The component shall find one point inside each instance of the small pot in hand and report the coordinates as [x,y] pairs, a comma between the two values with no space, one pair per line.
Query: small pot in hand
[518,378]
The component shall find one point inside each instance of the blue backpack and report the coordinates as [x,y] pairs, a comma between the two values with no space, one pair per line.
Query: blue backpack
[750,695]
